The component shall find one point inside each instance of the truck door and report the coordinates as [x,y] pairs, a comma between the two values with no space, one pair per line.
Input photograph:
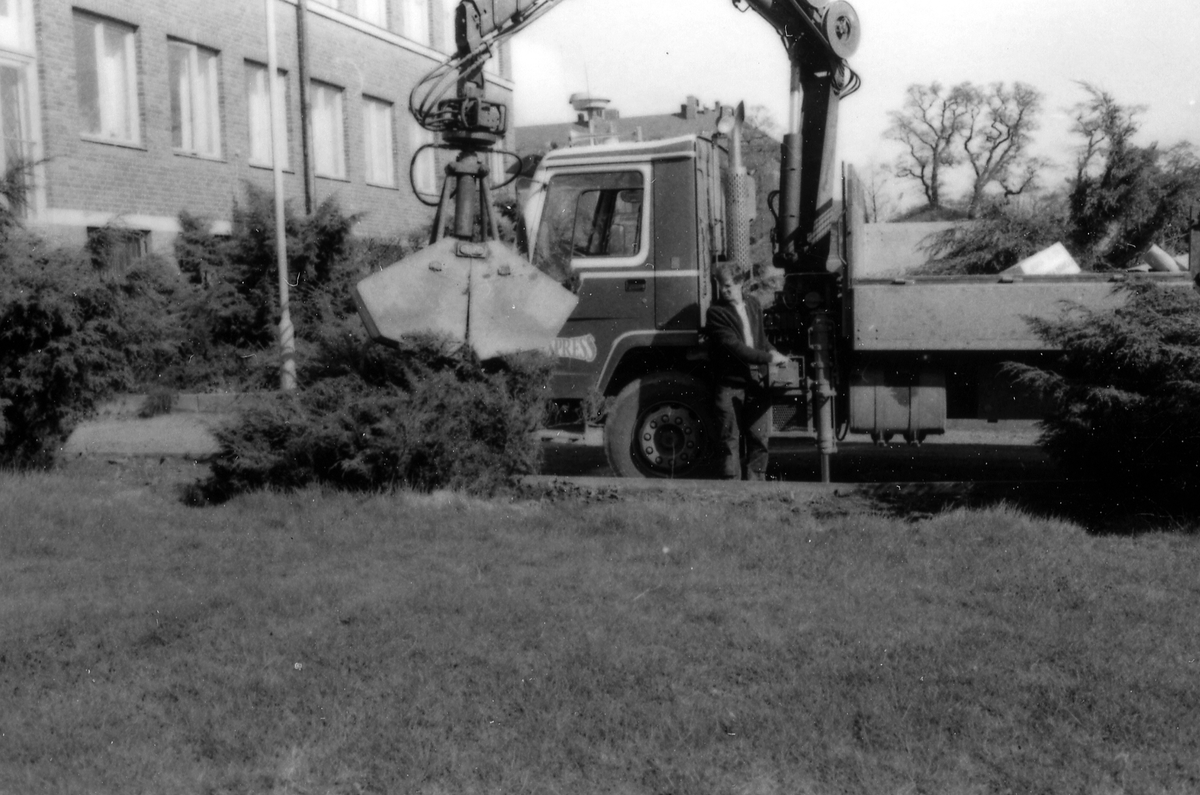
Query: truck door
[677,263]
[593,235]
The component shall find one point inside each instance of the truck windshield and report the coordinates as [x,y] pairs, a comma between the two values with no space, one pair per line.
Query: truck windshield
[598,214]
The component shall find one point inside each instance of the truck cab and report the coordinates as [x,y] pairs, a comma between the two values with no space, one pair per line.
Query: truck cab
[633,230]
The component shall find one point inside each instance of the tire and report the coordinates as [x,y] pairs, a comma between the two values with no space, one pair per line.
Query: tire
[661,426]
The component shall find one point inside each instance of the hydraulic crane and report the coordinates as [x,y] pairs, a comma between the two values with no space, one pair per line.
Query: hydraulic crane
[818,35]
[623,239]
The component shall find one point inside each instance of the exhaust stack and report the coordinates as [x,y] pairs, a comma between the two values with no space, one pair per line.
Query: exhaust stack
[739,192]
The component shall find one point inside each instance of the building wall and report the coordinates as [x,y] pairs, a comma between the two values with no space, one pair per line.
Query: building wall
[87,182]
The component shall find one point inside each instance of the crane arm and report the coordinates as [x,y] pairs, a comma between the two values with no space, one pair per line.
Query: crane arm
[826,33]
[480,26]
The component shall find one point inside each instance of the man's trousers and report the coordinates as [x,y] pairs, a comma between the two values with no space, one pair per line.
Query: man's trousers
[744,423]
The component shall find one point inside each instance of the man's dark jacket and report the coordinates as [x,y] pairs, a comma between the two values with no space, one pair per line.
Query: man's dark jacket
[734,362]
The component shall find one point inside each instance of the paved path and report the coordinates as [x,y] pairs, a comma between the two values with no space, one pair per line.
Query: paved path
[186,432]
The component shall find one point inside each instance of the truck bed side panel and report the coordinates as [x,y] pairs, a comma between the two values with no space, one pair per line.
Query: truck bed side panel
[967,314]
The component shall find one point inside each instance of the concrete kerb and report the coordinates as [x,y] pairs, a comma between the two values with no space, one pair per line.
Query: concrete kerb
[186,431]
[131,405]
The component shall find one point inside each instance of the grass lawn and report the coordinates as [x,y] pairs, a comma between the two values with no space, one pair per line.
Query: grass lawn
[330,643]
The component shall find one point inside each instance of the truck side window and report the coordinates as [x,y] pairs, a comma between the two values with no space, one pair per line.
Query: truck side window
[591,215]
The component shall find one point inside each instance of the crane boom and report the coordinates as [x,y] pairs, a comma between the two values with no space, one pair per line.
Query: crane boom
[819,35]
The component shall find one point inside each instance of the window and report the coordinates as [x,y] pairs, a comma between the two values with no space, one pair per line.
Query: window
[449,45]
[14,28]
[258,103]
[328,131]
[17,155]
[105,69]
[373,11]
[592,215]
[378,143]
[424,168]
[116,248]
[498,165]
[195,107]
[415,20]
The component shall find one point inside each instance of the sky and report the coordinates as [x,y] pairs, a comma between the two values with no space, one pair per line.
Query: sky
[647,56]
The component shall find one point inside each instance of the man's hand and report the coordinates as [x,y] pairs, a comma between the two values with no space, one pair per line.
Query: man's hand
[778,359]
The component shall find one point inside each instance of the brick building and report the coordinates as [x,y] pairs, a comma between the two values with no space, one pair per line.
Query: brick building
[133,110]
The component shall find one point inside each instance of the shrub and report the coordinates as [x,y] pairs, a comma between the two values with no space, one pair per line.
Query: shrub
[199,252]
[240,303]
[1005,233]
[1125,391]
[228,317]
[371,418]
[64,344]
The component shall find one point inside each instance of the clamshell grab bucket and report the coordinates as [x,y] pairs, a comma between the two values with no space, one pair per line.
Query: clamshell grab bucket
[484,294]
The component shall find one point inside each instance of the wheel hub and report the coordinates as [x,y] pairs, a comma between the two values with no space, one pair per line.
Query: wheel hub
[668,438]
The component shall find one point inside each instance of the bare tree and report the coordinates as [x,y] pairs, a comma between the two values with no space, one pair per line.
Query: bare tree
[931,121]
[760,118]
[995,135]
[876,181]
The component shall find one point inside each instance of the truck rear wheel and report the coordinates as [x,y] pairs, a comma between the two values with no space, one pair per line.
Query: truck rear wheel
[661,426]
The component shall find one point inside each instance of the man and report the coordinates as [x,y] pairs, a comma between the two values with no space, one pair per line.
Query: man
[740,357]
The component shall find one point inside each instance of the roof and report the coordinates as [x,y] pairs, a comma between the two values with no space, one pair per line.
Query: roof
[682,146]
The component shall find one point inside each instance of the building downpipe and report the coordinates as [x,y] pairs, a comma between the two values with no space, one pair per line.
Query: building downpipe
[310,179]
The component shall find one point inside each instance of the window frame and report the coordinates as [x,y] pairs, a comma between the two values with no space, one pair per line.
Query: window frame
[581,264]
[449,44]
[21,150]
[282,111]
[418,136]
[103,87]
[21,18]
[317,90]
[406,22]
[117,248]
[381,9]
[373,109]
[209,105]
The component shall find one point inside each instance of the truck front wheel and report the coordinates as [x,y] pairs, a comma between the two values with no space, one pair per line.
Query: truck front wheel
[661,426]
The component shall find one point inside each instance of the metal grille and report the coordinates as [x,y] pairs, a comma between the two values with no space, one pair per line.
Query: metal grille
[741,210]
[786,416]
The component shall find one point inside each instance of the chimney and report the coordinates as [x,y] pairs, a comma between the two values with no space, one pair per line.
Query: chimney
[690,109]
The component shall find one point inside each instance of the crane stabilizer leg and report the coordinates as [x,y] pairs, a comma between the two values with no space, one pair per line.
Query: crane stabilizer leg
[818,36]
[823,392]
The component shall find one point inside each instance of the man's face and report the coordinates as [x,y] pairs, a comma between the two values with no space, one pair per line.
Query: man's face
[729,290]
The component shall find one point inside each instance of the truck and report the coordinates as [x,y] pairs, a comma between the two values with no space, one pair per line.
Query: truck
[616,272]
